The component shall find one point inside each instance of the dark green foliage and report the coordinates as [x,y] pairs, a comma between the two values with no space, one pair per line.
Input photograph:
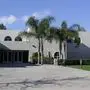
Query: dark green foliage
[35,58]
[2,27]
[64,25]
[33,22]
[77,62]
[72,62]
[46,60]
[77,41]
[60,62]
[86,62]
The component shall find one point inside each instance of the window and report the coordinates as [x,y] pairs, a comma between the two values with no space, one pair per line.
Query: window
[8,38]
[18,39]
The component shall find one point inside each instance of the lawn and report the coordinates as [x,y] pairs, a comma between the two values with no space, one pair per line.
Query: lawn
[84,67]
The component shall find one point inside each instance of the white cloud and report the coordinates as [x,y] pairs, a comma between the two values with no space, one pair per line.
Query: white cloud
[11,18]
[41,14]
[24,18]
[38,15]
[8,19]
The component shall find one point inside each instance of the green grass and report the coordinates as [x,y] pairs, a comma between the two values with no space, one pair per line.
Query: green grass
[83,67]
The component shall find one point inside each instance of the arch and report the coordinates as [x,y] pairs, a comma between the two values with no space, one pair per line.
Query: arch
[56,54]
[18,39]
[7,38]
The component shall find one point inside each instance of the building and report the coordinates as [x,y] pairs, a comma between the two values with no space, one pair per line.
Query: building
[15,49]
[81,52]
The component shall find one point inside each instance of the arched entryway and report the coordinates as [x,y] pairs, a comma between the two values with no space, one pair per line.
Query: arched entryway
[56,58]
[56,55]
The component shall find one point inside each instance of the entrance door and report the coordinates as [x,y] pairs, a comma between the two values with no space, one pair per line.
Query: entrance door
[25,56]
[17,57]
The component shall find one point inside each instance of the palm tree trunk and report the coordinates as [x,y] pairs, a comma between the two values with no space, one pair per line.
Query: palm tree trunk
[38,50]
[60,49]
[65,49]
[59,52]
[42,52]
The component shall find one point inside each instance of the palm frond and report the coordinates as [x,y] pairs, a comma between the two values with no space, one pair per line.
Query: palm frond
[33,23]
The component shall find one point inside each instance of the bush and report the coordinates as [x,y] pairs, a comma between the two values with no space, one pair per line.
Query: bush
[86,62]
[35,58]
[77,62]
[72,62]
[46,60]
[60,62]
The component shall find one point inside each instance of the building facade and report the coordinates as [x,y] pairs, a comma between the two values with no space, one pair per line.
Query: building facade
[15,49]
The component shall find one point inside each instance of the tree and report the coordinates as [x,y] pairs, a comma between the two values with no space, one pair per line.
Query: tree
[61,35]
[77,27]
[44,26]
[2,27]
[67,33]
[39,29]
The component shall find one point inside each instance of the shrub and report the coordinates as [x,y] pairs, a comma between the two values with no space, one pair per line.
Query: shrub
[72,62]
[60,62]
[47,60]
[86,62]
[35,58]
[77,62]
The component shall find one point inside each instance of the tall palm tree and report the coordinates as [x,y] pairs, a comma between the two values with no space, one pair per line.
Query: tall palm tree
[44,26]
[32,23]
[62,34]
[71,34]
[39,29]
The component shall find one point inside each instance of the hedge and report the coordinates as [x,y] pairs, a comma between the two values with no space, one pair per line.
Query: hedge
[77,62]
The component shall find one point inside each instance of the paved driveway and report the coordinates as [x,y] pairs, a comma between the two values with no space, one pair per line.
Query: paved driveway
[46,77]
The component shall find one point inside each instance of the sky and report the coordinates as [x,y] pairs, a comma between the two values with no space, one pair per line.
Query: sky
[14,13]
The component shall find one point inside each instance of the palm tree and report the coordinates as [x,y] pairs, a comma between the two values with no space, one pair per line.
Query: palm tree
[44,26]
[59,34]
[77,27]
[32,23]
[62,34]
[39,29]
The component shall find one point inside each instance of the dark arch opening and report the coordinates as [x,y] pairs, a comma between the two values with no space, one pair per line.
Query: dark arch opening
[8,38]
[56,54]
[18,39]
